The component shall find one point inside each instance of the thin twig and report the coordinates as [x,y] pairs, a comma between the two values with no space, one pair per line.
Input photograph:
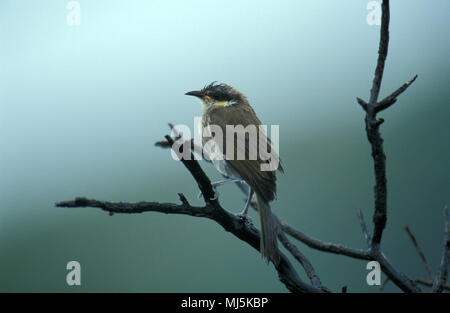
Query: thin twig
[324,246]
[305,263]
[138,207]
[392,98]
[364,227]
[384,284]
[429,283]
[178,137]
[420,252]
[382,53]
[441,277]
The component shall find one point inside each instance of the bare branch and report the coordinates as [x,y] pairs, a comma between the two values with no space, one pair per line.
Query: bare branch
[362,103]
[306,264]
[165,143]
[203,181]
[293,250]
[372,128]
[380,214]
[382,53]
[419,251]
[397,277]
[364,227]
[138,207]
[183,199]
[379,157]
[324,246]
[441,277]
[392,98]
[230,223]
[190,142]
[212,210]
[429,283]
[384,284]
[373,135]
[400,279]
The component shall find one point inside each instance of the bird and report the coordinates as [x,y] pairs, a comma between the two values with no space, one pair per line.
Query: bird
[222,106]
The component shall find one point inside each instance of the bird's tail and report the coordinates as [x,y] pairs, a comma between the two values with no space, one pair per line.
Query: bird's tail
[269,229]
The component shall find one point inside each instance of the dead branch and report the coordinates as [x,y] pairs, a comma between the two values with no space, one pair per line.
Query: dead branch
[212,210]
[420,252]
[429,283]
[306,264]
[247,232]
[364,229]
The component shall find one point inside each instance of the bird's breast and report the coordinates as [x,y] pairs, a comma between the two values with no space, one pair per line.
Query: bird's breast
[214,153]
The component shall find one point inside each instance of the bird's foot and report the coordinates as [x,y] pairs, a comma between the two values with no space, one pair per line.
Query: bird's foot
[244,214]
[220,183]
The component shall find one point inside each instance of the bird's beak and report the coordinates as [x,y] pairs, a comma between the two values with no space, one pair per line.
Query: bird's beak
[196,93]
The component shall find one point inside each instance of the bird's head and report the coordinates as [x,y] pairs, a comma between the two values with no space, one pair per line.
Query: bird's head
[218,95]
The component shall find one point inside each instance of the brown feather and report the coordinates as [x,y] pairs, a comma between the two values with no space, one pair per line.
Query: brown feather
[262,182]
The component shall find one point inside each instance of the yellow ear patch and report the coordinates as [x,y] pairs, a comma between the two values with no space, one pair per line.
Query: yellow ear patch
[222,103]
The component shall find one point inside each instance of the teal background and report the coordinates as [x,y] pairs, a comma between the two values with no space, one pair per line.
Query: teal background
[81,107]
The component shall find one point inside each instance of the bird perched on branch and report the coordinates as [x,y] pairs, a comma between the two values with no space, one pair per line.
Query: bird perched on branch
[241,151]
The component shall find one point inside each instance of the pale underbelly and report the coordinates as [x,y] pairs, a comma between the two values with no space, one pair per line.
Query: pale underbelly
[215,155]
[224,168]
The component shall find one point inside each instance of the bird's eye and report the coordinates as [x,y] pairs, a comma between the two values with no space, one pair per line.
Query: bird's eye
[219,96]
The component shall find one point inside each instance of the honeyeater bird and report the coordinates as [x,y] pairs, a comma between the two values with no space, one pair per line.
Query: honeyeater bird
[223,105]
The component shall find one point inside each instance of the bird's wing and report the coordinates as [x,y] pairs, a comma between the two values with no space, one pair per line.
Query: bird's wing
[262,182]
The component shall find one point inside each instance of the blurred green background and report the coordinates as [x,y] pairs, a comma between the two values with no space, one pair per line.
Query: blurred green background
[81,107]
